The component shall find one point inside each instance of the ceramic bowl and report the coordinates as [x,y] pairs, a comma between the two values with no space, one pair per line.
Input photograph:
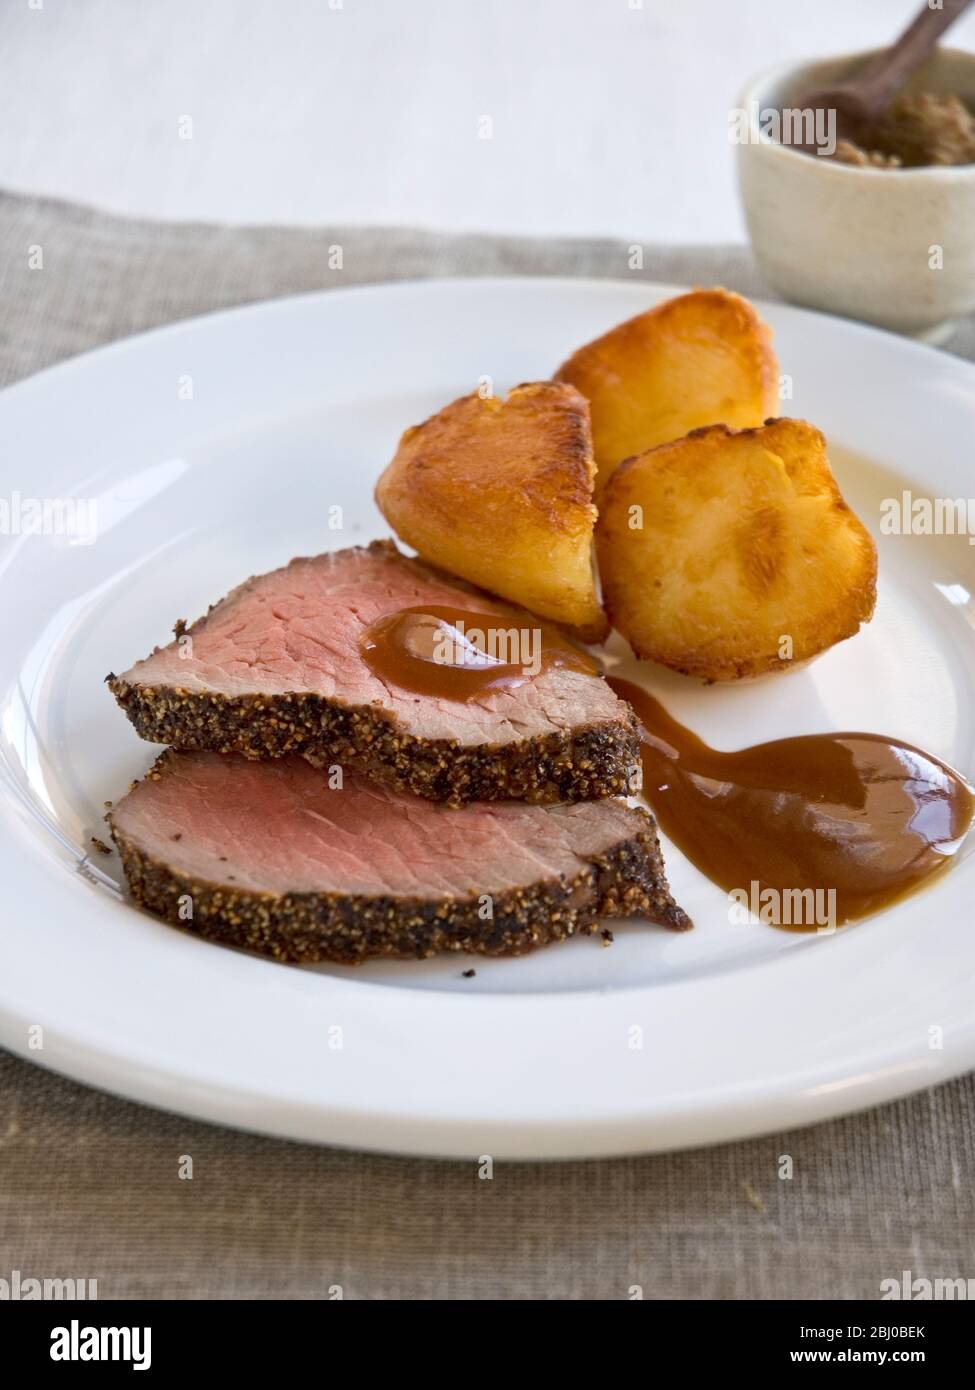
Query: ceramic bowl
[895,247]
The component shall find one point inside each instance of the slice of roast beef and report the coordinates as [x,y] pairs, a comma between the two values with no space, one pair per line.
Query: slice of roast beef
[270,856]
[276,668]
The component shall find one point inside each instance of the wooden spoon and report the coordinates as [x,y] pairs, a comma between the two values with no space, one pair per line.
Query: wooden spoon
[862,100]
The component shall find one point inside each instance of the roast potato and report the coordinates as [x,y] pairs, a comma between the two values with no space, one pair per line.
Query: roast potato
[500,493]
[732,552]
[704,358]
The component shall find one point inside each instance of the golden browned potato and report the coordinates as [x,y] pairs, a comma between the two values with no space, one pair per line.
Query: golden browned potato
[732,552]
[704,358]
[500,493]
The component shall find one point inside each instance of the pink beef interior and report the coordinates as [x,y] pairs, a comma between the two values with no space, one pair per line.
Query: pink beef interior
[298,629]
[278,827]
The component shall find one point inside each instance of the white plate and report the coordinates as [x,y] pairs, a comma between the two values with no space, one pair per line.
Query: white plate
[295,407]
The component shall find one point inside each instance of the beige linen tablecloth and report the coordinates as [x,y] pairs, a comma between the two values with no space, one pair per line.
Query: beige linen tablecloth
[88,1183]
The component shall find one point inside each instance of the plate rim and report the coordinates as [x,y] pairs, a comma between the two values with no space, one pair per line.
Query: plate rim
[279,303]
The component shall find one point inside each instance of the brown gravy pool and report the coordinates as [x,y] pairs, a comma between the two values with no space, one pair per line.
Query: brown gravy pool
[454,654]
[869,817]
[866,817]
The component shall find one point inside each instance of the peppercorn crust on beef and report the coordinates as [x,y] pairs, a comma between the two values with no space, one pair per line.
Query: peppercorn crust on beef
[270,856]
[276,668]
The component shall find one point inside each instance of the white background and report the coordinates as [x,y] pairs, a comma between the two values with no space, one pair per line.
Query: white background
[607,119]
